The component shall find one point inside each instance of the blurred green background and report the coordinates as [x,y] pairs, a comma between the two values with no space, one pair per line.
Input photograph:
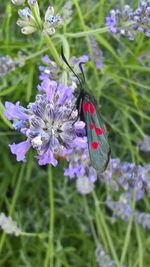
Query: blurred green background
[123,93]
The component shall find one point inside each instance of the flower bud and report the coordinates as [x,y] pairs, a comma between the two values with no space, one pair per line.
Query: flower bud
[17,2]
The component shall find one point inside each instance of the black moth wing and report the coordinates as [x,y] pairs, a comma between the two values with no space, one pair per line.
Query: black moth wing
[99,155]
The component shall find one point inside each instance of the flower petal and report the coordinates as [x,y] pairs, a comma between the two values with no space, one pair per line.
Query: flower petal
[65,93]
[49,87]
[47,158]
[80,128]
[80,142]
[15,111]
[20,149]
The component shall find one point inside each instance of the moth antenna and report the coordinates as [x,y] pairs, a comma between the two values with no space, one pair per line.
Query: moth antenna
[80,67]
[65,60]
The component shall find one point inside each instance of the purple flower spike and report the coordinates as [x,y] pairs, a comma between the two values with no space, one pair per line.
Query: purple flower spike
[81,169]
[15,111]
[128,22]
[20,149]
[47,123]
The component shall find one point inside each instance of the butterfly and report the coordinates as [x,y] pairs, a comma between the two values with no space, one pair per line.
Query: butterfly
[97,135]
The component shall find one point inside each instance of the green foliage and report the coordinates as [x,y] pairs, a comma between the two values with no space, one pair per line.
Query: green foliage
[123,93]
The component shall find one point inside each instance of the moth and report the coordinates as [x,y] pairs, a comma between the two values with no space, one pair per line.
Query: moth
[97,135]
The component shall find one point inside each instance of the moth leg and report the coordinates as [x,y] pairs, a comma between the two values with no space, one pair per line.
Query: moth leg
[79,108]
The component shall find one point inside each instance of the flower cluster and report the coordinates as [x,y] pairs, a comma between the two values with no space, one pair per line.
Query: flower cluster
[67,12]
[127,176]
[7,65]
[8,225]
[127,21]
[97,54]
[17,2]
[103,259]
[51,21]
[145,144]
[81,169]
[29,24]
[48,123]
[122,209]
[50,70]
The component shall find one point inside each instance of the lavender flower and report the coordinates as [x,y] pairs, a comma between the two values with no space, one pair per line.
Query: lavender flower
[67,12]
[29,24]
[142,219]
[51,21]
[127,176]
[8,225]
[7,65]
[50,69]
[48,123]
[122,209]
[26,22]
[17,2]
[80,168]
[126,21]
[97,54]
[103,259]
[145,144]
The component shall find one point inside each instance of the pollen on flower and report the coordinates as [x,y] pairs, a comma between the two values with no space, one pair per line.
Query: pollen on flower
[36,142]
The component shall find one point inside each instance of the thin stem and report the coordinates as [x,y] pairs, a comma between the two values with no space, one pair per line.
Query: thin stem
[53,50]
[128,233]
[87,33]
[39,235]
[90,221]
[49,260]
[140,245]
[15,196]
[101,218]
[86,37]
[35,12]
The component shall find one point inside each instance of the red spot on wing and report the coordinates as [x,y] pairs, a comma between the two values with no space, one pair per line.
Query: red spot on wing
[85,106]
[92,125]
[98,131]
[94,145]
[92,109]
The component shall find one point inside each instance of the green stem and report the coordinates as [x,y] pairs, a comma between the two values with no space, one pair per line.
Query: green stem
[39,235]
[87,33]
[49,260]
[35,12]
[53,50]
[128,233]
[15,196]
[90,221]
[87,39]
[107,233]
[91,32]
[140,245]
